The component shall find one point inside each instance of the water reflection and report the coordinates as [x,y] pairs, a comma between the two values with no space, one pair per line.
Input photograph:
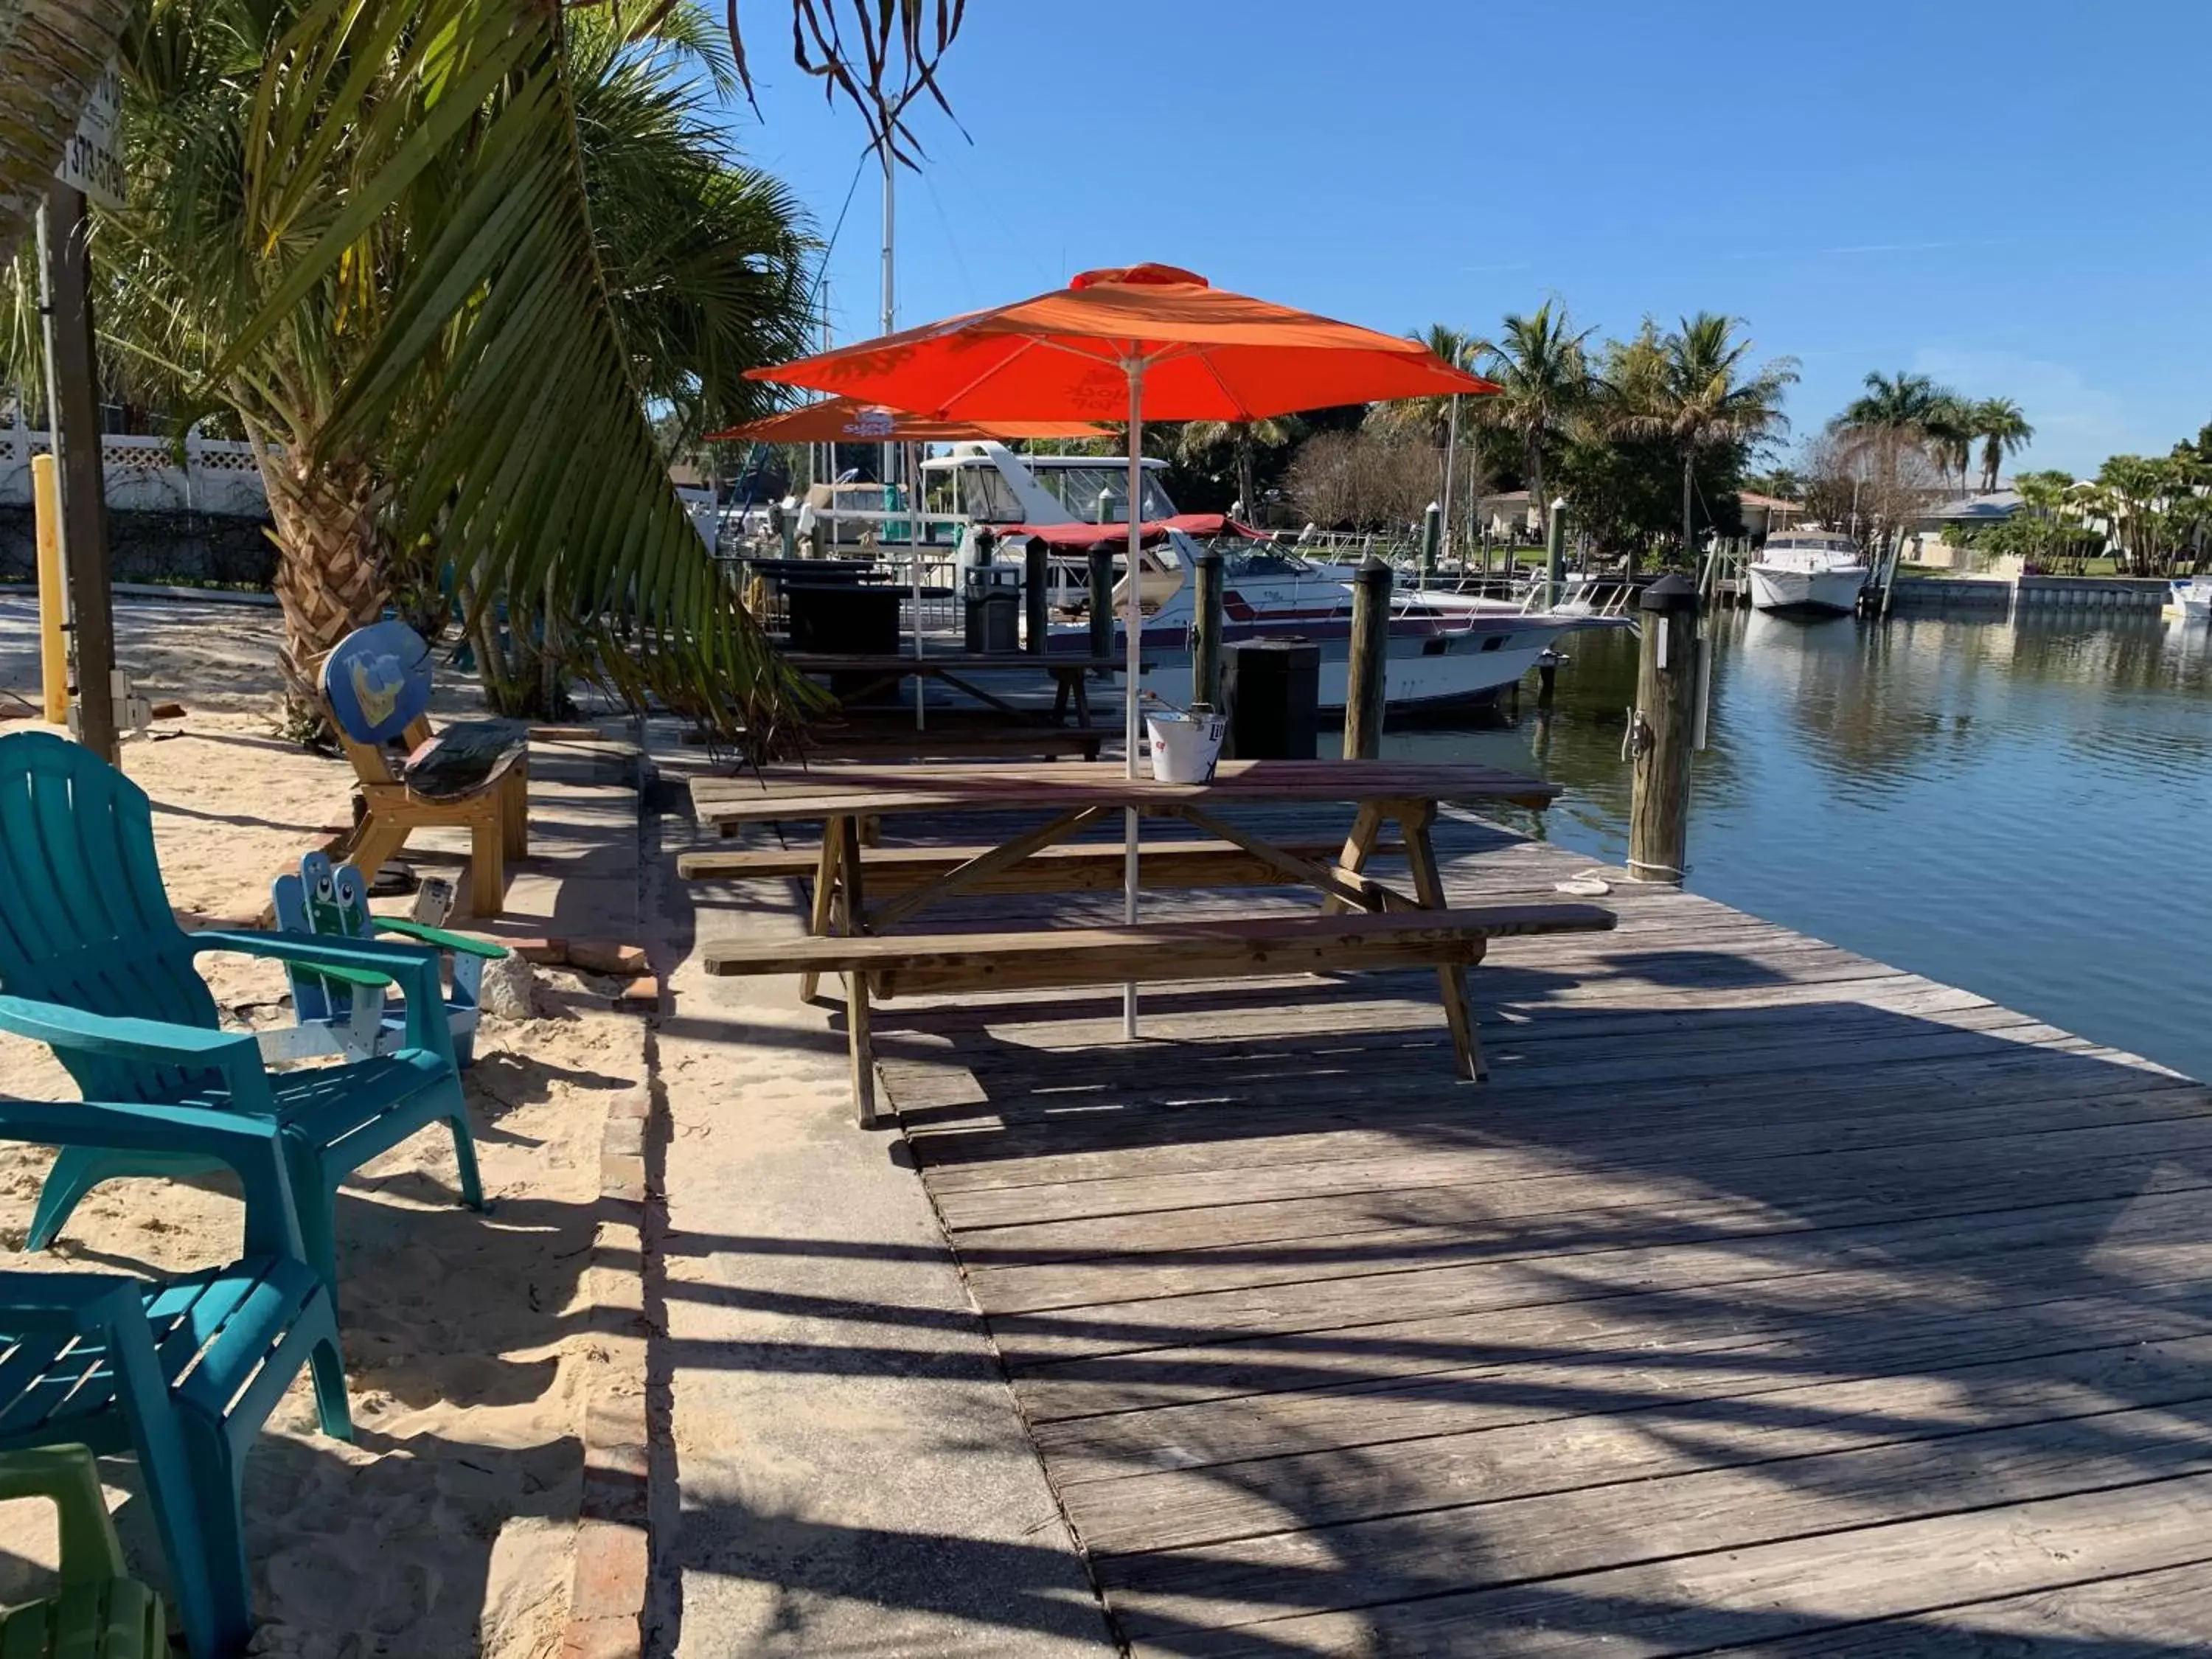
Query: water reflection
[2016,807]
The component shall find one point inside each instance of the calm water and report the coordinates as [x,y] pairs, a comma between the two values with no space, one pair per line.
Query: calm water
[2020,809]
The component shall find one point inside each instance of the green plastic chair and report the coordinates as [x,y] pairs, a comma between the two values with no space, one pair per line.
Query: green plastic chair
[182,1376]
[100,1611]
[94,964]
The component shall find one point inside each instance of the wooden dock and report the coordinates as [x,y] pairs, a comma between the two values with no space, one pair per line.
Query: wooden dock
[1768,1299]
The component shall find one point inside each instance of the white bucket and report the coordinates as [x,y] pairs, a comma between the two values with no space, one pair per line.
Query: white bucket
[1185,746]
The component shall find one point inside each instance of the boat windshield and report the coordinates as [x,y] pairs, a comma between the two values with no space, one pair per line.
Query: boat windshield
[1238,562]
[1078,490]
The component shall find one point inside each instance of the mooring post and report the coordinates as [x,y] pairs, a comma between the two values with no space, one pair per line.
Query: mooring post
[1555,553]
[1206,632]
[1037,601]
[1432,534]
[1662,732]
[1370,648]
[1101,607]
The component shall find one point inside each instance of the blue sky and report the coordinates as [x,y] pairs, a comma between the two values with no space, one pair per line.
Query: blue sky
[2012,197]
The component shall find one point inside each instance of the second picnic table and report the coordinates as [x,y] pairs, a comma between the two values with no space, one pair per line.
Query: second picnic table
[1388,928]
[863,676]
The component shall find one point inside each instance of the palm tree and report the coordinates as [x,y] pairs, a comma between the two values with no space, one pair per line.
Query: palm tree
[1947,434]
[1894,414]
[50,53]
[1695,388]
[1196,440]
[405,276]
[2003,429]
[1541,364]
[406,397]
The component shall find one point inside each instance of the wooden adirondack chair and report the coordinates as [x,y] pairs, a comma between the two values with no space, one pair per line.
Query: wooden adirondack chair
[93,964]
[182,1376]
[473,775]
[349,1013]
[100,1611]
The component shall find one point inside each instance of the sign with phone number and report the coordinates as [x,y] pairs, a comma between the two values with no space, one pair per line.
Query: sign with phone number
[92,162]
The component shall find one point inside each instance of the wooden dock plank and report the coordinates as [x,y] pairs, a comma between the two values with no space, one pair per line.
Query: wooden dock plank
[1769,1299]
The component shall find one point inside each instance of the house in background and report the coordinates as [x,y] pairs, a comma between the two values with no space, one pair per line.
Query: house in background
[1933,529]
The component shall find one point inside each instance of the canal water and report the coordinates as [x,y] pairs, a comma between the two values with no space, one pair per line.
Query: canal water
[2019,808]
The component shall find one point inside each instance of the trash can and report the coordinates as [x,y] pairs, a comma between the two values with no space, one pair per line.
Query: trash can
[992,609]
[844,617]
[1272,690]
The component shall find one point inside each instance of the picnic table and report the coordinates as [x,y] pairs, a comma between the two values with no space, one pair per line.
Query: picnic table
[1362,922]
[858,677]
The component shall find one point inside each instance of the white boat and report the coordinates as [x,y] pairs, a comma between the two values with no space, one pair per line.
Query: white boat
[1447,650]
[1815,572]
[2192,599]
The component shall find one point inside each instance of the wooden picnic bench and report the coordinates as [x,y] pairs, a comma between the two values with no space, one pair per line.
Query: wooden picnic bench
[1451,941]
[1362,922]
[1084,867]
[858,677]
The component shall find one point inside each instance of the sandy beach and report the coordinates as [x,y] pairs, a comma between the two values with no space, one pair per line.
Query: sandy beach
[447,1529]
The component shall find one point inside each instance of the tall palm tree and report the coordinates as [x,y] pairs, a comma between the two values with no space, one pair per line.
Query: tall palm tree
[1947,434]
[1196,440]
[1541,364]
[2002,427]
[408,282]
[567,187]
[1696,388]
[50,53]
[1895,414]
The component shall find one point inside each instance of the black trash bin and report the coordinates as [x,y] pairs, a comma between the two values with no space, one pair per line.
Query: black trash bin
[992,609]
[850,620]
[1272,688]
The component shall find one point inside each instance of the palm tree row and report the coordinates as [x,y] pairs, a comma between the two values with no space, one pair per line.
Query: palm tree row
[1912,410]
[1689,394]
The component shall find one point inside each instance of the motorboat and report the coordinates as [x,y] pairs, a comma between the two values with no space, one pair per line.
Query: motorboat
[1448,652]
[2192,599]
[1809,572]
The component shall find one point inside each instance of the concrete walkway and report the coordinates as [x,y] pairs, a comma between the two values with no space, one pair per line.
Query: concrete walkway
[850,1473]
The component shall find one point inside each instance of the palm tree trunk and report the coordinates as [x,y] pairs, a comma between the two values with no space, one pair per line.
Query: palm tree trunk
[1533,455]
[1246,489]
[50,53]
[330,576]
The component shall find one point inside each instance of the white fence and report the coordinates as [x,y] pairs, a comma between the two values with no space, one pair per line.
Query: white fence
[143,475]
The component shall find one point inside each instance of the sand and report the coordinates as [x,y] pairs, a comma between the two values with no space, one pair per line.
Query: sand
[448,1527]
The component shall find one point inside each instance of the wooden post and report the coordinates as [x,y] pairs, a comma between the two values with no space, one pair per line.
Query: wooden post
[1036,599]
[67,276]
[1432,530]
[1205,634]
[1102,605]
[1555,554]
[1364,671]
[1664,733]
[53,594]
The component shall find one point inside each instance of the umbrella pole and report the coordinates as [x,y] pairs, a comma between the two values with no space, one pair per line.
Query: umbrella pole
[912,470]
[1132,656]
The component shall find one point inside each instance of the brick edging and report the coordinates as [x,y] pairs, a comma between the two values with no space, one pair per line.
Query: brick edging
[606,1602]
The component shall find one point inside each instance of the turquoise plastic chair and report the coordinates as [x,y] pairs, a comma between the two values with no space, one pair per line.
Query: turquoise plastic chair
[349,1014]
[182,1376]
[94,964]
[100,1611]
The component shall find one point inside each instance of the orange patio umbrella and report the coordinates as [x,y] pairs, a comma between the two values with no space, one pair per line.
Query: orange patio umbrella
[846,419]
[1139,343]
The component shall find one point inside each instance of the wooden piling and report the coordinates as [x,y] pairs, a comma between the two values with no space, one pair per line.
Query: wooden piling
[1664,733]
[1206,632]
[1037,599]
[1102,604]
[1364,671]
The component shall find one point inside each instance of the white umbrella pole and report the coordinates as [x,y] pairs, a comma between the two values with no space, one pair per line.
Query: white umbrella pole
[913,569]
[1133,627]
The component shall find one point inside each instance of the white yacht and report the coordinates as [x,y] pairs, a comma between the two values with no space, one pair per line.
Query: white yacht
[2192,599]
[1813,572]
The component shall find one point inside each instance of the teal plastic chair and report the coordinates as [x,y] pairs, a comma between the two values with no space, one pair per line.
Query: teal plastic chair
[182,1376]
[93,964]
[99,1612]
[349,1014]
